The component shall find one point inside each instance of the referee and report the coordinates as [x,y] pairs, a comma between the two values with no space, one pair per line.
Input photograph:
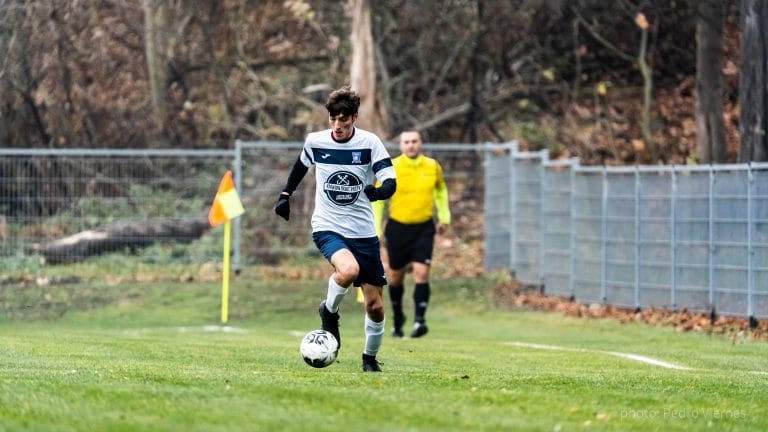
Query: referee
[410,229]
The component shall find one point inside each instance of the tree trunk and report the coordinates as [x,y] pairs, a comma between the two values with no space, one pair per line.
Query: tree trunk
[155,26]
[6,105]
[647,74]
[363,76]
[752,95]
[121,236]
[19,73]
[710,129]
[474,113]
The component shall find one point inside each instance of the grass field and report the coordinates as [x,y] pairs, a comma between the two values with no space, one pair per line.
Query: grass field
[151,356]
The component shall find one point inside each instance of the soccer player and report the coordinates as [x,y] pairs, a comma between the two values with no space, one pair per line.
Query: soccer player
[348,162]
[410,229]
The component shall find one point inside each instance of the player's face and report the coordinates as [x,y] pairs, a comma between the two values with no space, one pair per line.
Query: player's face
[342,125]
[410,144]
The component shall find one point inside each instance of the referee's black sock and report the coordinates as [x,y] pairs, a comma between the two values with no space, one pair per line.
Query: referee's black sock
[396,296]
[421,301]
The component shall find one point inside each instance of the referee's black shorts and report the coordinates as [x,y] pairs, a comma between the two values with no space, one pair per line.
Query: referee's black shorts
[409,243]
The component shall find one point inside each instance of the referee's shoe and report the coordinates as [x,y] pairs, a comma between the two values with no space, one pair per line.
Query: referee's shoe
[419,329]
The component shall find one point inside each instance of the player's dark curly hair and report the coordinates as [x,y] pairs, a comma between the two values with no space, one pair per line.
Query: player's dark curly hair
[343,101]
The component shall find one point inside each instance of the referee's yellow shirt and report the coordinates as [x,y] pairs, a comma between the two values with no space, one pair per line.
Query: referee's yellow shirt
[420,189]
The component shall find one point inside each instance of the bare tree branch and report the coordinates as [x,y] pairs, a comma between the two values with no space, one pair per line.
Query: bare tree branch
[590,28]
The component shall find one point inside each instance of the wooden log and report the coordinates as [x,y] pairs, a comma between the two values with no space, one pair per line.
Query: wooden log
[121,235]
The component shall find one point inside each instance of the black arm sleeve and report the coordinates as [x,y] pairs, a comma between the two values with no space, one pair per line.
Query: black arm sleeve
[298,172]
[387,189]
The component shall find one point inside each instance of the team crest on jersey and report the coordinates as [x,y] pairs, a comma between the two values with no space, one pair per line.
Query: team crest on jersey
[343,187]
[357,157]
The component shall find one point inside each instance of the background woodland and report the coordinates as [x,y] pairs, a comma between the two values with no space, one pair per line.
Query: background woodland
[619,82]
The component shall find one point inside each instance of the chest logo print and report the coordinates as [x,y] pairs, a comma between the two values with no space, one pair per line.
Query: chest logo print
[343,188]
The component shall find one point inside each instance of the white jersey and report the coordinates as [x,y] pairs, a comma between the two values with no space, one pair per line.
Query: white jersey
[342,170]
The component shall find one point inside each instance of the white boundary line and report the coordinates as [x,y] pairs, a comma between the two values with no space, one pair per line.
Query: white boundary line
[629,356]
[205,328]
[636,357]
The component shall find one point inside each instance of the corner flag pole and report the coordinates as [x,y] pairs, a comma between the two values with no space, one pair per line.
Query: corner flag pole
[225,279]
[226,206]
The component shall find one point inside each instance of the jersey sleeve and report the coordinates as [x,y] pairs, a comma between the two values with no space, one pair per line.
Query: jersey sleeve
[440,196]
[306,156]
[381,162]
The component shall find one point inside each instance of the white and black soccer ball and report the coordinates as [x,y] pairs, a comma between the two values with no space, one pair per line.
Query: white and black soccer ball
[319,348]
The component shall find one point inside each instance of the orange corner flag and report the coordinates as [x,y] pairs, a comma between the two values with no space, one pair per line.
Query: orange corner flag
[226,206]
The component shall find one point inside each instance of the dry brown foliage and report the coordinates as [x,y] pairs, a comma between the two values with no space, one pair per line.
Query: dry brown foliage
[514,295]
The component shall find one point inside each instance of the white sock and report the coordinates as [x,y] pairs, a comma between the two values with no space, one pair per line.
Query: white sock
[374,334]
[335,295]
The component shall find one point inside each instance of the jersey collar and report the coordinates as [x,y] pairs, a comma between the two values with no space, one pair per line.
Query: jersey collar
[415,161]
[354,129]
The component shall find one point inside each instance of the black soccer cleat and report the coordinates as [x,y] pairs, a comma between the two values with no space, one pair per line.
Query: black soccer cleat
[330,322]
[398,333]
[370,364]
[419,330]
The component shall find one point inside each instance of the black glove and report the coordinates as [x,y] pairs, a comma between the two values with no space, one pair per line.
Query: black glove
[283,208]
[371,192]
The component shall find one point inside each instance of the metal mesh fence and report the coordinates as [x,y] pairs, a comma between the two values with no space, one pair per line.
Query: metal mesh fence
[670,237]
[557,238]
[677,237]
[65,206]
[526,211]
[62,206]
[497,213]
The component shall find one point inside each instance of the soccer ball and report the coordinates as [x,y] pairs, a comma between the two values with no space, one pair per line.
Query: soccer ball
[319,348]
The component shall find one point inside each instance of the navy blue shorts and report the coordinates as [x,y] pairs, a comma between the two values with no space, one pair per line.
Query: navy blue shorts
[365,250]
